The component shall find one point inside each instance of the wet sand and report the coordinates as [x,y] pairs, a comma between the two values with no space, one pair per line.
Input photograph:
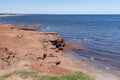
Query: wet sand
[97,72]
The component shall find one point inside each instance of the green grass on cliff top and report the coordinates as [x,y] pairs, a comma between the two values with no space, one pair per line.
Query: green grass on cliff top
[35,76]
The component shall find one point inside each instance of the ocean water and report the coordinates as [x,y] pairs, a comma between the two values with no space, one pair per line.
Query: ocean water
[100,34]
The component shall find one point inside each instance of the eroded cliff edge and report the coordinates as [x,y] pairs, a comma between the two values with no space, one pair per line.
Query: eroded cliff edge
[28,50]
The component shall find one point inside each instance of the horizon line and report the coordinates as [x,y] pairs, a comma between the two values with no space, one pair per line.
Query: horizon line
[65,13]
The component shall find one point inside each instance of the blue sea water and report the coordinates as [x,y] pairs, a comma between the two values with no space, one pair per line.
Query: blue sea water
[100,34]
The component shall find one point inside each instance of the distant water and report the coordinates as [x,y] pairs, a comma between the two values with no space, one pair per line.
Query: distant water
[100,34]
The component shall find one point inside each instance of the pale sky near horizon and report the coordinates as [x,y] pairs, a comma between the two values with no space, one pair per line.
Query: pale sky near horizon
[60,6]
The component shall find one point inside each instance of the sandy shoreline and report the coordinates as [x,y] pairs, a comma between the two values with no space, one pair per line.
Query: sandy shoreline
[99,73]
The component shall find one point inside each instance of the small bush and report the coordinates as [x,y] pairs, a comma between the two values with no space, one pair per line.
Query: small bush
[26,65]
[4,48]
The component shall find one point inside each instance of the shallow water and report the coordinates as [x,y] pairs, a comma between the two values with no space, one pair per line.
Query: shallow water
[100,34]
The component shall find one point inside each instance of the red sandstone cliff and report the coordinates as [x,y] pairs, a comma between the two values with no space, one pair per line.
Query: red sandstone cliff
[20,46]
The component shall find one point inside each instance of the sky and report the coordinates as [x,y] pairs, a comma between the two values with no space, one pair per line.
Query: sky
[60,6]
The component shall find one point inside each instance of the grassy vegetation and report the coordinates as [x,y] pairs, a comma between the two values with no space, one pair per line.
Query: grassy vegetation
[72,76]
[6,76]
[21,74]
[34,75]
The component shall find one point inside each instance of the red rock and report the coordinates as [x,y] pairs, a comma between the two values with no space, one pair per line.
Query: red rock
[73,46]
